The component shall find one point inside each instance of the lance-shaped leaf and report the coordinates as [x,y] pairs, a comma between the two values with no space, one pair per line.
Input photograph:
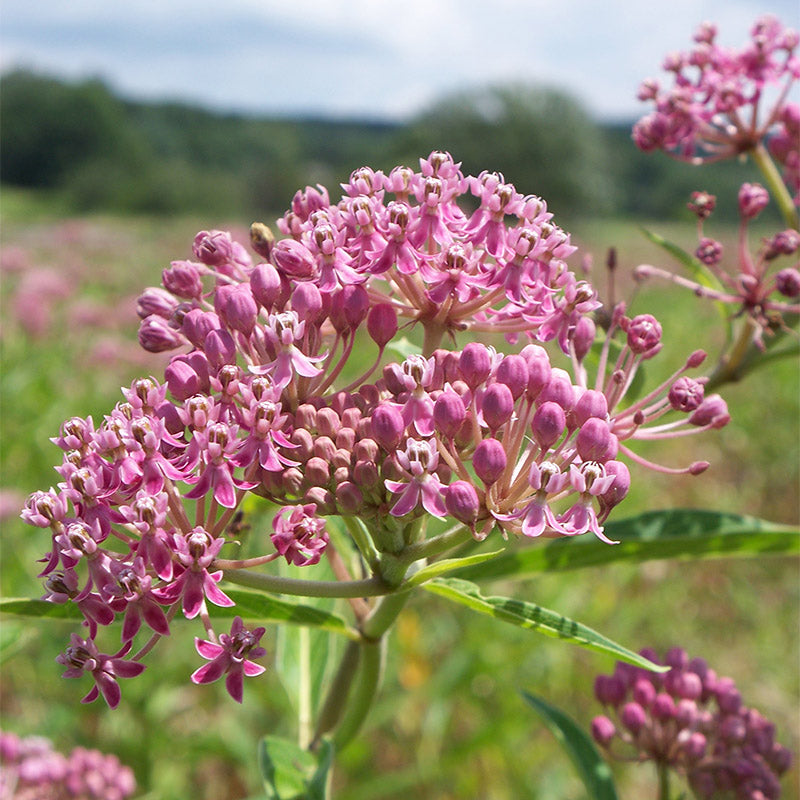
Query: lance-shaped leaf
[594,771]
[449,565]
[529,615]
[249,605]
[674,533]
[291,773]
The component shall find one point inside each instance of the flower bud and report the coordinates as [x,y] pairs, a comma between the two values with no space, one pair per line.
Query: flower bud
[603,730]
[713,410]
[475,364]
[307,301]
[548,424]
[609,690]
[317,472]
[157,301]
[489,460]
[686,394]
[266,286]
[220,348]
[709,251]
[497,404]
[663,707]
[156,336]
[633,717]
[183,280]
[349,498]
[753,199]
[187,375]
[240,310]
[644,335]
[382,323]
[448,414]
[328,422]
[694,746]
[590,404]
[355,302]
[197,324]
[461,501]
[595,442]
[583,337]
[365,474]
[323,499]
[513,372]
[294,260]
[387,427]
[702,204]
[324,448]
[559,390]
[787,282]
[644,692]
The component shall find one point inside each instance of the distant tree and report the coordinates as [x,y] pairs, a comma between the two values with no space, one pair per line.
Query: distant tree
[541,139]
[51,129]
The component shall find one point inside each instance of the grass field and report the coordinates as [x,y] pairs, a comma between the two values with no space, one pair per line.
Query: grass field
[450,722]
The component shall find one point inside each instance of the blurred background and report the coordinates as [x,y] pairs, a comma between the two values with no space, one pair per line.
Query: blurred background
[124,131]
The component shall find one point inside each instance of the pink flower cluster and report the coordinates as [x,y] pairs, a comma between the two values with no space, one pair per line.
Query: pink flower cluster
[762,293]
[30,769]
[723,102]
[692,721]
[255,400]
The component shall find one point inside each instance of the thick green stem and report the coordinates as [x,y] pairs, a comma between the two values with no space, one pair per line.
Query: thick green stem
[370,668]
[663,782]
[433,337]
[335,701]
[776,185]
[369,587]
[730,365]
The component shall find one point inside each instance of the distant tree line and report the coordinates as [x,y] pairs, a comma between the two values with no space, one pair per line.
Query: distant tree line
[101,152]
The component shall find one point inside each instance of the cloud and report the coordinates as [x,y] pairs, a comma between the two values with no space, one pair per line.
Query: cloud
[362,57]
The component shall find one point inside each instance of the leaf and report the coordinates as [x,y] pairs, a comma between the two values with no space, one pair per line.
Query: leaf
[672,533]
[694,266]
[267,609]
[291,773]
[22,607]
[404,347]
[529,615]
[284,768]
[13,638]
[592,768]
[249,605]
[448,565]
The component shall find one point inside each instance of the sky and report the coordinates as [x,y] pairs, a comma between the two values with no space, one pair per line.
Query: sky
[373,59]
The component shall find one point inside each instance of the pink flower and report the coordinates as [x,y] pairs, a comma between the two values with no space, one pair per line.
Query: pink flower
[419,459]
[231,657]
[300,535]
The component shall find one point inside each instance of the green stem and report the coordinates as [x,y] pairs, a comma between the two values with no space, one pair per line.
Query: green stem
[663,782]
[436,545]
[335,700]
[369,587]
[776,185]
[358,531]
[433,337]
[371,661]
[730,365]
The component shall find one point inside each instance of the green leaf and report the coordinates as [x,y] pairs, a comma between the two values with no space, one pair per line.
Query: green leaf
[291,773]
[449,565]
[529,615]
[21,607]
[14,636]
[694,266]
[404,348]
[264,608]
[673,533]
[284,767]
[594,771]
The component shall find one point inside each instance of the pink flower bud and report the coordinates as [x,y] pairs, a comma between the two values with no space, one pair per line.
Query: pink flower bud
[187,375]
[328,422]
[644,692]
[294,260]
[213,247]
[513,372]
[686,394]
[449,413]
[183,279]
[323,499]
[559,390]
[548,423]
[317,472]
[702,204]
[663,707]
[590,404]
[728,698]
[266,285]
[644,335]
[462,503]
[197,324]
[307,301]
[387,427]
[240,310]
[355,302]
[489,460]
[349,498]
[633,717]
[220,348]
[583,337]
[595,441]
[787,282]
[603,730]
[475,364]
[156,336]
[694,747]
[753,199]
[709,251]
[156,301]
[382,323]
[609,689]
[496,406]
[711,411]
[365,474]
[324,448]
